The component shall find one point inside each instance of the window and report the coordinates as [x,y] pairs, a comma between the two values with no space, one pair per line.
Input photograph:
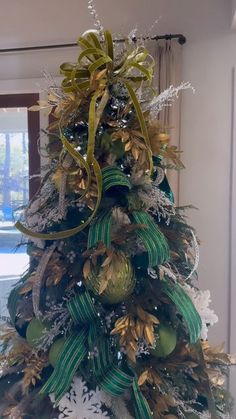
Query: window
[19,160]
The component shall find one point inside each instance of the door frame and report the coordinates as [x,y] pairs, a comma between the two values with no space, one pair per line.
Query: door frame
[232,238]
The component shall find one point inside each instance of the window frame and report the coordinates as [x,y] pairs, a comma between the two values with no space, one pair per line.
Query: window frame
[26,100]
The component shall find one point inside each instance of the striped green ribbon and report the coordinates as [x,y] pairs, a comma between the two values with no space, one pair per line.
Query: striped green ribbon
[141,406]
[82,309]
[75,349]
[73,353]
[153,239]
[100,230]
[186,308]
[116,381]
[113,176]
[111,378]
[103,361]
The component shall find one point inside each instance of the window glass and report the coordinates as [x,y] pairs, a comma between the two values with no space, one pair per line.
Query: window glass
[14,194]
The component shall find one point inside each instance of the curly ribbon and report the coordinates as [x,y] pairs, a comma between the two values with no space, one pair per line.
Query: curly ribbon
[112,379]
[81,78]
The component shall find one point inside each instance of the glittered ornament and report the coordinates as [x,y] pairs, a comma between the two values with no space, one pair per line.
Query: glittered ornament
[35,331]
[165,342]
[119,279]
[55,351]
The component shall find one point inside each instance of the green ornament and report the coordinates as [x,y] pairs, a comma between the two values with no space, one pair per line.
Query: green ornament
[34,332]
[166,341]
[121,284]
[55,351]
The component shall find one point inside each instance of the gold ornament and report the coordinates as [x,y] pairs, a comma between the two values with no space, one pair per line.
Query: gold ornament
[113,282]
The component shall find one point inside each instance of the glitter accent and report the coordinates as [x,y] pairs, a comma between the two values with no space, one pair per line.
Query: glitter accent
[196,263]
[39,277]
[94,14]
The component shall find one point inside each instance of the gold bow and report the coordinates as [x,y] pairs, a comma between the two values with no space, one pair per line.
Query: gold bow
[90,78]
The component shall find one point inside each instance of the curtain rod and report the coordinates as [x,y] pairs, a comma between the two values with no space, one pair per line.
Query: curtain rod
[181,39]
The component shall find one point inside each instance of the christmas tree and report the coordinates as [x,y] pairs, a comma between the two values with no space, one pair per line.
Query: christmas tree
[108,321]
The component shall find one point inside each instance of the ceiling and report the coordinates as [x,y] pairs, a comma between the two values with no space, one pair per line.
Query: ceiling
[28,22]
[32,23]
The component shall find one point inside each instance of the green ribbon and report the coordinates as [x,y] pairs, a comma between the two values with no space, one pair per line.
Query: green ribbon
[75,349]
[73,353]
[165,187]
[82,309]
[100,363]
[111,378]
[113,176]
[116,381]
[141,407]
[153,239]
[100,230]
[186,308]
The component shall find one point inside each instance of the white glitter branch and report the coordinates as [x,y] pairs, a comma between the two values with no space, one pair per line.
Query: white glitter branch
[93,12]
[166,98]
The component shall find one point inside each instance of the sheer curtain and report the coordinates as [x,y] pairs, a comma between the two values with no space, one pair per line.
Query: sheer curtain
[168,58]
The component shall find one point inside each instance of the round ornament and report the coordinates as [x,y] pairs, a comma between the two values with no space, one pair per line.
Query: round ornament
[165,342]
[34,332]
[119,286]
[55,351]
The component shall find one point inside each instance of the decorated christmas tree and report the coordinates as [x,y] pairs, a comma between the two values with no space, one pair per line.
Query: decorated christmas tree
[108,321]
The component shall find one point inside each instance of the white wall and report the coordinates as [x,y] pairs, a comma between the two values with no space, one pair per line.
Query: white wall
[206,141]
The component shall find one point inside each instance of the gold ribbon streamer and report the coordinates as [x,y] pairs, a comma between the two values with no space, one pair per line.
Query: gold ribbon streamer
[142,122]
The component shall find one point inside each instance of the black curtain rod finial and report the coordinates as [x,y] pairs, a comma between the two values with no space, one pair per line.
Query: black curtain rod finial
[182,40]
[168,37]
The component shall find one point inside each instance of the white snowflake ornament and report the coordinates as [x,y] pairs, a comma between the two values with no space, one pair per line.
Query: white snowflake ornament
[201,300]
[81,403]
